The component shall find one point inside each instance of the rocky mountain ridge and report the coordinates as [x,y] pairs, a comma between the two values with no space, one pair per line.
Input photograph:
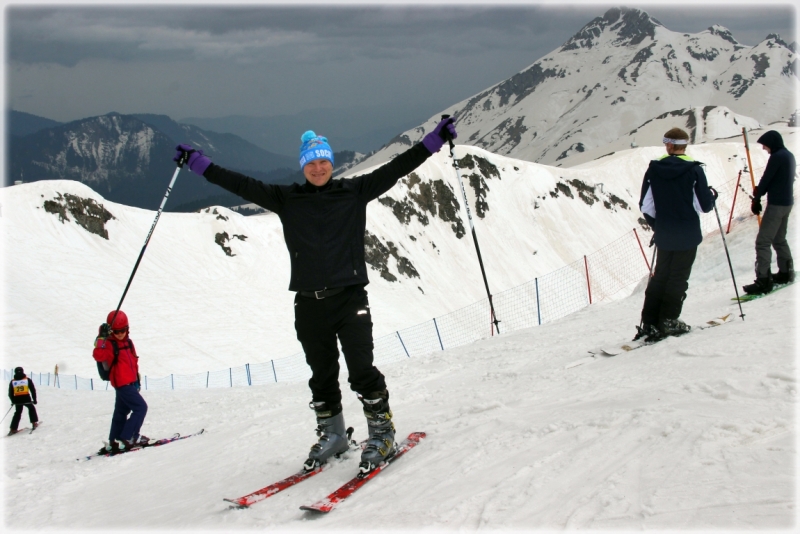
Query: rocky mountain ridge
[616,73]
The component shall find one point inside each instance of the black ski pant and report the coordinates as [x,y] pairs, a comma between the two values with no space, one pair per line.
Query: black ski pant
[666,290]
[772,234]
[319,323]
[32,415]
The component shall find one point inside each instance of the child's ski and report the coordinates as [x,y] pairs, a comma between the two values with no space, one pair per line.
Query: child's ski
[157,443]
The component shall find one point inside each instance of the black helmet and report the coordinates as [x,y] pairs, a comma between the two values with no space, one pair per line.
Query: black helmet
[19,371]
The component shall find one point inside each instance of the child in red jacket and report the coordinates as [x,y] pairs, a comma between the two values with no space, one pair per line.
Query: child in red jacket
[115,350]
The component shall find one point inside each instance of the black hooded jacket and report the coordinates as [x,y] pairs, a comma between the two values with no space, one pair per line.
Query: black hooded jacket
[778,179]
[323,226]
[673,189]
[26,398]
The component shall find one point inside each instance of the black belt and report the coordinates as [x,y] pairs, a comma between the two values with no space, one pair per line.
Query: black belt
[322,293]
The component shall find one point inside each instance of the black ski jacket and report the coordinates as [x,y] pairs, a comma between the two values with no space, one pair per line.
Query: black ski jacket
[674,189]
[778,179]
[28,397]
[323,226]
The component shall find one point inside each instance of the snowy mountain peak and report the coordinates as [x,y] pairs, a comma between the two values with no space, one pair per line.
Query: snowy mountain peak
[627,26]
[618,72]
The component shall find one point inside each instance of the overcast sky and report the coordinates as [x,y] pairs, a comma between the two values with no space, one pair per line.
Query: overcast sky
[204,60]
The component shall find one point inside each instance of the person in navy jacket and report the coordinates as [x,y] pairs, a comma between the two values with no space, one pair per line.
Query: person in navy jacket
[22,393]
[324,220]
[123,367]
[777,184]
[674,192]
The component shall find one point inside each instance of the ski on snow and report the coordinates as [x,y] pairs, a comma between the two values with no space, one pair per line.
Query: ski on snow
[272,489]
[331,501]
[627,346]
[157,443]
[268,491]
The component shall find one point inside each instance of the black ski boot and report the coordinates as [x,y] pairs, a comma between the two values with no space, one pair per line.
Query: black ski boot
[333,436]
[647,331]
[673,327]
[785,276]
[380,444]
[761,286]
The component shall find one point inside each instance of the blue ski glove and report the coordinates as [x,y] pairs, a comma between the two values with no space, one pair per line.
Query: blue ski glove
[444,130]
[197,163]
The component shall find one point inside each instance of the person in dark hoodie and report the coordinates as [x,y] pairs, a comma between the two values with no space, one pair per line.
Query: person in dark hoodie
[674,191]
[324,220]
[778,184]
[22,392]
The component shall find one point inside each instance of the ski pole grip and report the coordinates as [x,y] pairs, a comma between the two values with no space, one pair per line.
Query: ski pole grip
[183,159]
[446,132]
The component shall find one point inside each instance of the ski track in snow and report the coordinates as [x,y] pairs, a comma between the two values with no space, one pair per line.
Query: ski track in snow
[691,433]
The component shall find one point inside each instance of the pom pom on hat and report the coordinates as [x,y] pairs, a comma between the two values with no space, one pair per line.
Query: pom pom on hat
[314,147]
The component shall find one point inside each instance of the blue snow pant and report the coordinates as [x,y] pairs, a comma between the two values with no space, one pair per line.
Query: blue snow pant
[128,401]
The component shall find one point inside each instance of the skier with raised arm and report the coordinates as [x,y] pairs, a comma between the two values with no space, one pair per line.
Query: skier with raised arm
[324,221]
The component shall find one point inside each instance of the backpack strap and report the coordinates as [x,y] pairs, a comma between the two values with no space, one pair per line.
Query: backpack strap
[116,353]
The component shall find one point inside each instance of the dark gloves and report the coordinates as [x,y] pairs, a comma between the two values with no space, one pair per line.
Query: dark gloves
[755,206]
[104,331]
[34,401]
[197,162]
[713,193]
[444,130]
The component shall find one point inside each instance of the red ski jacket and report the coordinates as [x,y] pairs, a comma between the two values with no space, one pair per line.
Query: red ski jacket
[126,370]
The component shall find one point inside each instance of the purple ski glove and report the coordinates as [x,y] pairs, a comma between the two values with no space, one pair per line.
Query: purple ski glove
[444,130]
[197,163]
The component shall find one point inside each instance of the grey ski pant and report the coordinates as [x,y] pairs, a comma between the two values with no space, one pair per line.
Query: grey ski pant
[772,234]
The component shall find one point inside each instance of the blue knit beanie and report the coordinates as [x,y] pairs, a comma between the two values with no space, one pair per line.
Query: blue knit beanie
[314,147]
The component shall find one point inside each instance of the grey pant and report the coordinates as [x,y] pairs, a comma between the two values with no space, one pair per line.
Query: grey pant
[772,234]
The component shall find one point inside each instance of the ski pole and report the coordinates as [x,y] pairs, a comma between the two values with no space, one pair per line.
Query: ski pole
[471,225]
[725,244]
[6,415]
[184,157]
[750,165]
[652,266]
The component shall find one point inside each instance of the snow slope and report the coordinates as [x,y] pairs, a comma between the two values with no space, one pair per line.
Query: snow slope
[525,431]
[195,309]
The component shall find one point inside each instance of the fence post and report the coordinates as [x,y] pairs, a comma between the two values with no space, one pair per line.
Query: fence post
[91,384]
[733,204]
[635,233]
[538,308]
[437,333]
[230,375]
[207,375]
[48,379]
[588,285]
[401,342]
[172,380]
[145,383]
[274,374]
[76,382]
[247,366]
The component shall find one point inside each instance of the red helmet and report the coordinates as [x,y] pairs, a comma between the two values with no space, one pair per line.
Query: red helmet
[120,321]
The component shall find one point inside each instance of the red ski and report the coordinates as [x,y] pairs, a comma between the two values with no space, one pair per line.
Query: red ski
[331,501]
[272,489]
